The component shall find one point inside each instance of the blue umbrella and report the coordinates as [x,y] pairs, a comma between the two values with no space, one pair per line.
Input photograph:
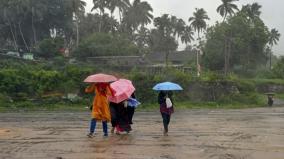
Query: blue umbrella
[167,86]
[132,102]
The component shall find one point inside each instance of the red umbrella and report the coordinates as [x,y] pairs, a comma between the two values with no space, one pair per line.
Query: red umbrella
[100,78]
[123,90]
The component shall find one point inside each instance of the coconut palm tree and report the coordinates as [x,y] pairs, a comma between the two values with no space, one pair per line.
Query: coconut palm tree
[138,14]
[179,27]
[274,37]
[187,35]
[121,5]
[100,5]
[227,8]
[273,40]
[252,10]
[78,8]
[198,21]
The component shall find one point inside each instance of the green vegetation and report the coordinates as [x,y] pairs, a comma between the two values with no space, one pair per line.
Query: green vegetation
[42,86]
[237,57]
[280,96]
[101,44]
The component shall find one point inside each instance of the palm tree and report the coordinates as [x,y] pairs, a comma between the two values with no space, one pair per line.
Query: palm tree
[164,25]
[139,13]
[273,40]
[198,20]
[178,25]
[78,8]
[227,8]
[252,10]
[142,39]
[122,6]
[100,5]
[187,35]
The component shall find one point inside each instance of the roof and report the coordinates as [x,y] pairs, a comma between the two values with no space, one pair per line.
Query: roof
[178,56]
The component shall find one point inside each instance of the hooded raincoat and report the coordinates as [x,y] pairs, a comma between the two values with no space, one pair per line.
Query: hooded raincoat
[100,111]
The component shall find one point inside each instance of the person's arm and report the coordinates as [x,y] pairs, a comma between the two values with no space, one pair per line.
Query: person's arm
[161,98]
[90,88]
[109,91]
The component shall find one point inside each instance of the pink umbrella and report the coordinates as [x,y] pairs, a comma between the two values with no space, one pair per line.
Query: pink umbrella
[100,78]
[123,90]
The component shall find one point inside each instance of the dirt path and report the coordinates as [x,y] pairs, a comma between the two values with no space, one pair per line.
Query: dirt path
[196,134]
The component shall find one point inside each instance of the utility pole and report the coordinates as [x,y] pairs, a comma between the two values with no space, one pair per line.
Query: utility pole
[198,68]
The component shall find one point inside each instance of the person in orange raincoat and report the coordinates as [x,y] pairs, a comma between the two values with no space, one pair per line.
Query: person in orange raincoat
[100,109]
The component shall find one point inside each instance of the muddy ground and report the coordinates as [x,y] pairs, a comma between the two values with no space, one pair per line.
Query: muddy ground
[195,134]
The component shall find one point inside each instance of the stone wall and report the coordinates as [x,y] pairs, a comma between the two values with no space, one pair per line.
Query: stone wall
[265,88]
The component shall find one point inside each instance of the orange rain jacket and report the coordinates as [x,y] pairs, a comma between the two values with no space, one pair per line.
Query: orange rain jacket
[100,111]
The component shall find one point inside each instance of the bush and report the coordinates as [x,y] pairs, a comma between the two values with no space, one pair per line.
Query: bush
[103,44]
[244,98]
[50,47]
[278,70]
[245,85]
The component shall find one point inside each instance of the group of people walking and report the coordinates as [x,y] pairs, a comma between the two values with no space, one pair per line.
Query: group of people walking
[120,114]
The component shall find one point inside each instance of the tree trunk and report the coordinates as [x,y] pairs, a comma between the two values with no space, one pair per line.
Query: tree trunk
[229,55]
[270,61]
[197,64]
[167,58]
[15,32]
[22,35]
[120,19]
[77,32]
[33,27]
[197,57]
[225,56]
[101,19]
[13,35]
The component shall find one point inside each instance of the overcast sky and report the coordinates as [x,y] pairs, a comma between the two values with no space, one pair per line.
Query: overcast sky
[272,12]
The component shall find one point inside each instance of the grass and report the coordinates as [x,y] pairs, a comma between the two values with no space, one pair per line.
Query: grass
[204,105]
[30,107]
[280,96]
[260,81]
[248,102]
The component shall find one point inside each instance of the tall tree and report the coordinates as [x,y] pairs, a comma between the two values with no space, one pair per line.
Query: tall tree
[247,44]
[162,38]
[100,5]
[252,10]
[138,14]
[227,8]
[122,6]
[78,9]
[273,40]
[142,39]
[178,25]
[187,35]
[198,21]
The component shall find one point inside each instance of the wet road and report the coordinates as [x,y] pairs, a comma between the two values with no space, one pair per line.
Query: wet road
[205,134]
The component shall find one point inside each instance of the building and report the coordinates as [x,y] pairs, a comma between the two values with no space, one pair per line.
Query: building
[117,60]
[175,58]
[28,56]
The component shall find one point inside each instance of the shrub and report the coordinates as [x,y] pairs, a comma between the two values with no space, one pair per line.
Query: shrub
[103,44]
[278,70]
[50,47]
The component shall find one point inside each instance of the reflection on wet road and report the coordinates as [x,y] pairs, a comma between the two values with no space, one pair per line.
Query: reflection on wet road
[212,134]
